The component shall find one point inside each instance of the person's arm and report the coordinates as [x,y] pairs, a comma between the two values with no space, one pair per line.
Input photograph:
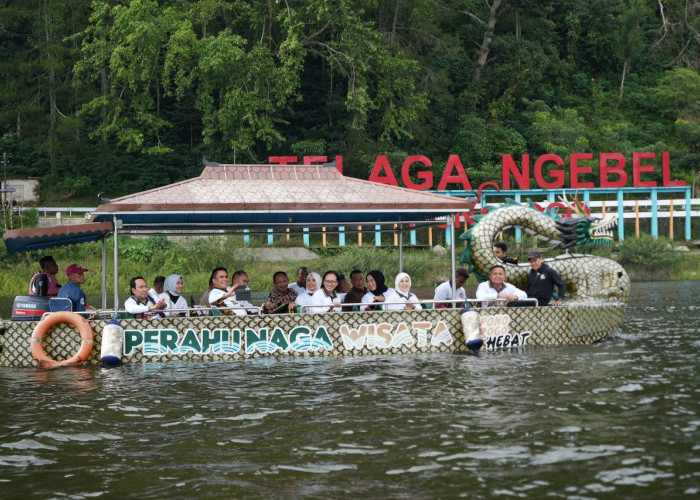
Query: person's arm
[561,286]
[133,307]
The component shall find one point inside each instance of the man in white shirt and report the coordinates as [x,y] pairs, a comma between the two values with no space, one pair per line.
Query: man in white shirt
[140,304]
[300,285]
[444,290]
[240,279]
[496,289]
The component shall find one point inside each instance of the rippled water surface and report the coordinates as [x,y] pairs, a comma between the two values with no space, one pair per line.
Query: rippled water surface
[618,419]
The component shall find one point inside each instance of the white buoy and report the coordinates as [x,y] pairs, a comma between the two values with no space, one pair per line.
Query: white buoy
[112,343]
[472,330]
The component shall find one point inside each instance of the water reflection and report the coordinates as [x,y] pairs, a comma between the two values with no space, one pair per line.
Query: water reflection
[618,418]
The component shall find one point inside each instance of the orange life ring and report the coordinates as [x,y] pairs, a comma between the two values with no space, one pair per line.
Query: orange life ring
[86,339]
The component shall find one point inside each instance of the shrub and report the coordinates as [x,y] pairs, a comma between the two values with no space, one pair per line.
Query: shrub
[647,252]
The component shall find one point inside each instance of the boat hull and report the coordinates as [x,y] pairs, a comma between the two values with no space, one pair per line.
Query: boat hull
[230,338]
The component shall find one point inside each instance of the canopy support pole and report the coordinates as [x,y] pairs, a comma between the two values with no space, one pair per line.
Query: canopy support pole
[451,228]
[116,264]
[400,248]
[104,272]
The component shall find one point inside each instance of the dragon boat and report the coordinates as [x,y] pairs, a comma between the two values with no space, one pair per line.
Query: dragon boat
[241,197]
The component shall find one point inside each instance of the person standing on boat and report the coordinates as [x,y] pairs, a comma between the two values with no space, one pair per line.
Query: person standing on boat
[45,282]
[378,292]
[140,303]
[358,290]
[326,299]
[300,285]
[281,299]
[496,288]
[500,250]
[72,290]
[402,293]
[542,280]
[313,282]
[444,290]
[173,286]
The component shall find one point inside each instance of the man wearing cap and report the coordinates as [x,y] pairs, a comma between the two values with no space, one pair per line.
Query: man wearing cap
[542,280]
[72,291]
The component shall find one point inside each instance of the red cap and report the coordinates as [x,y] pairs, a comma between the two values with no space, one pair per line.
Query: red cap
[75,269]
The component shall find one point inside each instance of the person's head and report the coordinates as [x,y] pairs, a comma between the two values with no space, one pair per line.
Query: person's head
[344,285]
[159,284]
[357,278]
[219,278]
[534,258]
[376,282]
[174,284]
[497,275]
[402,282]
[75,274]
[461,277]
[302,274]
[330,281]
[139,288]
[281,281]
[500,250]
[240,278]
[313,282]
[48,265]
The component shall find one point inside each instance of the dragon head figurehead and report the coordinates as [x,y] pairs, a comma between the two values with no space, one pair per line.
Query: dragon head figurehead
[588,230]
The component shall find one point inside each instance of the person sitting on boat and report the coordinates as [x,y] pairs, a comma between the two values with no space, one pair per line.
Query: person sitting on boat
[45,283]
[172,287]
[444,290]
[204,301]
[500,250]
[313,283]
[300,285]
[326,299]
[72,290]
[344,286]
[378,292]
[402,293]
[140,303]
[223,295]
[281,299]
[240,279]
[358,290]
[496,289]
[156,293]
[542,280]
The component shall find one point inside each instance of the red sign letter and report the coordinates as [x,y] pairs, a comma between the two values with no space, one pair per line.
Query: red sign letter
[666,170]
[283,160]
[606,170]
[508,167]
[575,170]
[382,164]
[453,162]
[557,175]
[638,168]
[422,175]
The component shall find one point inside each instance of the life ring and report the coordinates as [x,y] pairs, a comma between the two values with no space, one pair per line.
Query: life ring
[86,339]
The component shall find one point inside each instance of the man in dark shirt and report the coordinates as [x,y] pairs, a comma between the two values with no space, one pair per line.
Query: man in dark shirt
[542,280]
[358,290]
[500,250]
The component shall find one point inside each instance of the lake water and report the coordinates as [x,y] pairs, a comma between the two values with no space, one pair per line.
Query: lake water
[620,418]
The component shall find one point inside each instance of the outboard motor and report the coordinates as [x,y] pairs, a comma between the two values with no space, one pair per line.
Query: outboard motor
[29,307]
[41,285]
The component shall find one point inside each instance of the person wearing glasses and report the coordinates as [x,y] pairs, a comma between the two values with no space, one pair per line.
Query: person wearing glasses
[326,299]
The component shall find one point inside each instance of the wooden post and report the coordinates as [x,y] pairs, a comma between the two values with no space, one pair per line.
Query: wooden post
[636,218]
[359,236]
[288,234]
[430,236]
[603,209]
[396,236]
[670,220]
[323,236]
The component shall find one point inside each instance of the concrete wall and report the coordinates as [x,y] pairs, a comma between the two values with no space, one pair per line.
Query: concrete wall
[26,190]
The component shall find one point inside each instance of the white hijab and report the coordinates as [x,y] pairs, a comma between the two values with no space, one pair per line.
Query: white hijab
[399,277]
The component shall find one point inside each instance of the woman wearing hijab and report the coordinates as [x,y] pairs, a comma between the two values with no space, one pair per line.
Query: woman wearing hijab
[378,292]
[313,282]
[402,293]
[326,299]
[172,290]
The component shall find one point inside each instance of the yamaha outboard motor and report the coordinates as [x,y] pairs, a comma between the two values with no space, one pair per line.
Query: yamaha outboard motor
[41,285]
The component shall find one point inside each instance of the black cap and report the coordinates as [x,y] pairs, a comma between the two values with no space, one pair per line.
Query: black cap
[533,254]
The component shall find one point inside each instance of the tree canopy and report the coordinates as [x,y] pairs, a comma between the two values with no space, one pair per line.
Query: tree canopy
[119,96]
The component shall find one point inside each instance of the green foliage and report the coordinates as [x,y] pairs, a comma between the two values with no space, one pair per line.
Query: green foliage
[647,252]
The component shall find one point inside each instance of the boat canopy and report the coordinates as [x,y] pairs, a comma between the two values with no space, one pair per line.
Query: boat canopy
[228,196]
[24,240]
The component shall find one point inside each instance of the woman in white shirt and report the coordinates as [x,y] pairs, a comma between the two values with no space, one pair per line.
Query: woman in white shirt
[172,293]
[378,292]
[326,299]
[402,293]
[313,282]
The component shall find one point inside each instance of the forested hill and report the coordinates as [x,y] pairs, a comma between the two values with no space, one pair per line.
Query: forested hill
[120,96]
